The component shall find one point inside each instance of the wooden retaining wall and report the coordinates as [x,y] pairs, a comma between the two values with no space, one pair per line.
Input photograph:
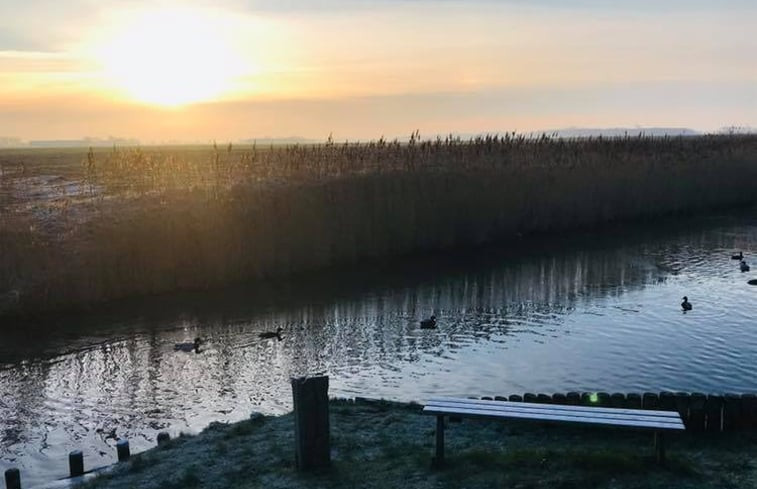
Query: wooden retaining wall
[700,412]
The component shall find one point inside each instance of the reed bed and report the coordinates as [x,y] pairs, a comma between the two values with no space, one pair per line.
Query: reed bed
[145,221]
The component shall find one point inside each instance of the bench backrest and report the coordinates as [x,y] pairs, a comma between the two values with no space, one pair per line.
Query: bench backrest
[474,408]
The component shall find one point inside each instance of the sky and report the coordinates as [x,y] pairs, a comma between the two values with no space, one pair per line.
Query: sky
[232,69]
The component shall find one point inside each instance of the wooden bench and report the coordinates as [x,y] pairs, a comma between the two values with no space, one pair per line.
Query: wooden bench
[656,421]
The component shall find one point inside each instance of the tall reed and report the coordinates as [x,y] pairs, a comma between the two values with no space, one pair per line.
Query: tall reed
[157,220]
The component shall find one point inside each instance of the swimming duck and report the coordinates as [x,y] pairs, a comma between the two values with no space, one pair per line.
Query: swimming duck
[429,323]
[271,334]
[743,266]
[195,346]
[740,256]
[686,305]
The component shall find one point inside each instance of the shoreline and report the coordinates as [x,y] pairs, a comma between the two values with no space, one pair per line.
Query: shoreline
[390,444]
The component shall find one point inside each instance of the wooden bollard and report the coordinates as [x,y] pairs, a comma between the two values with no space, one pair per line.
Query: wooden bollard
[713,410]
[311,422]
[515,398]
[603,399]
[543,399]
[683,400]
[618,400]
[749,410]
[122,449]
[667,401]
[163,438]
[696,412]
[12,479]
[559,399]
[573,398]
[732,418]
[76,463]
[651,401]
[633,401]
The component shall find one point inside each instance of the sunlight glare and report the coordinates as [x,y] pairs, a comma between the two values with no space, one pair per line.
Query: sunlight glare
[171,58]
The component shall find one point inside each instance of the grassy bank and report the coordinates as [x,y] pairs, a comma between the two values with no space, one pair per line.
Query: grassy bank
[381,446]
[135,222]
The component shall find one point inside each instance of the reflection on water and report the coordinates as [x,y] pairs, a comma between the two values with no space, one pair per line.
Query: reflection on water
[587,312]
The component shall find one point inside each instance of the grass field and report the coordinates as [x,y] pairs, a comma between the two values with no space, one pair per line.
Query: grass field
[81,227]
[381,445]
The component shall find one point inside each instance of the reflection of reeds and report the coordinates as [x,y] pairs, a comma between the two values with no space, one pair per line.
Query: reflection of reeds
[167,221]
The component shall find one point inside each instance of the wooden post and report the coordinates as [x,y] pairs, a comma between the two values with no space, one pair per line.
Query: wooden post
[633,400]
[713,409]
[749,410]
[559,399]
[603,399]
[76,463]
[651,401]
[12,479]
[732,418]
[543,399]
[311,422]
[163,438]
[515,398]
[122,448]
[696,412]
[529,397]
[618,400]
[573,398]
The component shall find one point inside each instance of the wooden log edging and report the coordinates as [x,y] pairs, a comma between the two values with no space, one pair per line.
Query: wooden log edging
[699,412]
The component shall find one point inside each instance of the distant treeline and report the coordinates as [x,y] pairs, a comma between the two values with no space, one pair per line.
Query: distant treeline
[150,221]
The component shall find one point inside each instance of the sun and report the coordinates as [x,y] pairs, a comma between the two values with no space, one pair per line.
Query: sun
[170,58]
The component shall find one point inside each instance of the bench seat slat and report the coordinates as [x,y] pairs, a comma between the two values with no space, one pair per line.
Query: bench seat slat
[543,410]
[506,411]
[589,409]
[586,419]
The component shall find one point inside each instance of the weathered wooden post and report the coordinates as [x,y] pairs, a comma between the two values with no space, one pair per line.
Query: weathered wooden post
[633,400]
[163,438]
[574,398]
[12,479]
[617,400]
[713,407]
[122,448]
[311,422]
[76,463]
[696,412]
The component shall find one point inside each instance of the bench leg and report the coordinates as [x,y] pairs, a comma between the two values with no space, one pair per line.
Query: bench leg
[659,444]
[438,460]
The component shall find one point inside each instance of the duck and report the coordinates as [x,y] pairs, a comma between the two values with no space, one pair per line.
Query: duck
[194,346]
[271,334]
[740,256]
[743,266]
[686,305]
[429,323]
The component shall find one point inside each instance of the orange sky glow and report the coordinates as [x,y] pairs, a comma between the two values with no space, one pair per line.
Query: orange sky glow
[186,71]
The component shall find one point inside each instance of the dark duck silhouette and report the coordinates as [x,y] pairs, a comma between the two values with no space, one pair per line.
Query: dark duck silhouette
[686,305]
[743,266]
[195,346]
[270,334]
[740,256]
[429,323]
